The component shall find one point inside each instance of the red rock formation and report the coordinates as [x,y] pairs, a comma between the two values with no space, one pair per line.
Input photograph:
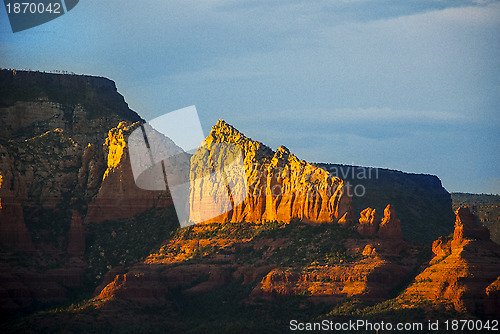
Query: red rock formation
[91,170]
[390,227]
[139,287]
[280,186]
[465,225]
[464,273]
[370,278]
[145,285]
[493,293]
[368,222]
[441,247]
[118,195]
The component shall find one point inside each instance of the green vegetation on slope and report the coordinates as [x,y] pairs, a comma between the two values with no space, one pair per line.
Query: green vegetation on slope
[301,244]
[124,242]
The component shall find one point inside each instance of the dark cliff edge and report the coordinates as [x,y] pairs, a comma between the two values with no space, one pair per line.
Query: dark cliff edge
[423,205]
[76,96]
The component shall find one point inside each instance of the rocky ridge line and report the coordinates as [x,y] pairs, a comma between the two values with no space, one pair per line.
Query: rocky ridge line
[281,187]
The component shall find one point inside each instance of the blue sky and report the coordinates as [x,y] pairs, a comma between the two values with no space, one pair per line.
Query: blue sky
[407,85]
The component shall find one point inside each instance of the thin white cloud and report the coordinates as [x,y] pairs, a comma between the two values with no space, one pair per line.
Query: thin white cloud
[359,115]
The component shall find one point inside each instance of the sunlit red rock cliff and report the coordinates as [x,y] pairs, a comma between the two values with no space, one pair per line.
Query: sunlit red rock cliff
[74,223]
[280,186]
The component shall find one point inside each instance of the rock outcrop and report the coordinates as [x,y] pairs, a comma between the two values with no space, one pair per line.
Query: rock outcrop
[281,187]
[369,279]
[421,201]
[466,227]
[118,195]
[441,247]
[368,223]
[463,275]
[146,285]
[390,226]
[139,287]
[84,107]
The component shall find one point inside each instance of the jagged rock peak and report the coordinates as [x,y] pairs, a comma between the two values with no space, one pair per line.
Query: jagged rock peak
[283,157]
[222,124]
[280,186]
[282,153]
[224,132]
[368,222]
[390,227]
[252,150]
[118,195]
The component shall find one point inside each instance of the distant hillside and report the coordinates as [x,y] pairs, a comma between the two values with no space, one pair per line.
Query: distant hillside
[421,202]
[485,207]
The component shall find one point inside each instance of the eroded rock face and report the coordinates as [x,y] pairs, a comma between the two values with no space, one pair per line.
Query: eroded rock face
[280,186]
[118,195]
[145,285]
[370,278]
[368,223]
[390,226]
[464,272]
[466,226]
[141,288]
[441,247]
[84,107]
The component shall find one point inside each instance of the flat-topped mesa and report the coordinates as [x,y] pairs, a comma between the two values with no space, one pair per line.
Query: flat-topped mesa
[280,186]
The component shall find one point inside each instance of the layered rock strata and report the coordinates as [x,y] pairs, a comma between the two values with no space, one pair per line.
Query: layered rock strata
[280,186]
[118,195]
[390,226]
[368,222]
[464,273]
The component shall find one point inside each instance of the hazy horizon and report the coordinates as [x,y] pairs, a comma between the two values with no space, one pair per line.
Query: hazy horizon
[413,87]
